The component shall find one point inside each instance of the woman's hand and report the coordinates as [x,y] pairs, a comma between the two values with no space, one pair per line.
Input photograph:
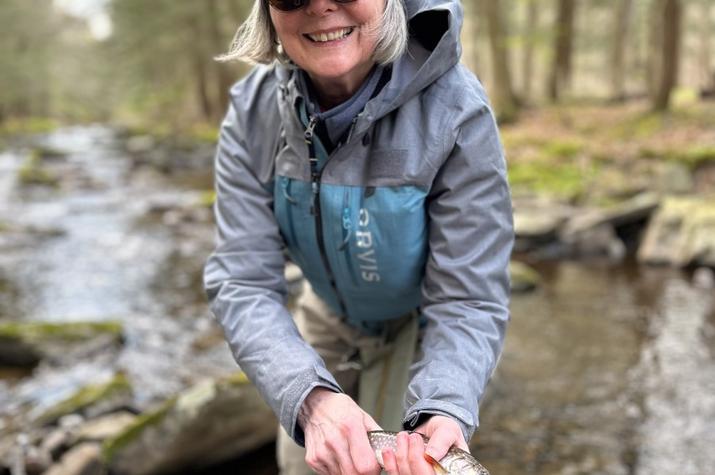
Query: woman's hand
[409,459]
[336,434]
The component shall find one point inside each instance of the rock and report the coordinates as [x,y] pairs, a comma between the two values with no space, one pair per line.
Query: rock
[56,442]
[672,178]
[85,459]
[36,461]
[97,430]
[681,233]
[537,223]
[209,423]
[140,144]
[25,343]
[92,400]
[704,278]
[593,231]
[523,277]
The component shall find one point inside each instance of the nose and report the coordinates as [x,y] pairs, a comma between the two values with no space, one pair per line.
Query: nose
[320,7]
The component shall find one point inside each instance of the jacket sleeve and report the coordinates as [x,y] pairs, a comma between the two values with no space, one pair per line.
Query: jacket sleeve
[244,279]
[465,291]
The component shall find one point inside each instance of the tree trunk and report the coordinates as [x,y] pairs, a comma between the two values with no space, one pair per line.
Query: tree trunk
[223,83]
[668,75]
[655,46]
[620,37]
[563,47]
[707,81]
[504,99]
[532,21]
[198,60]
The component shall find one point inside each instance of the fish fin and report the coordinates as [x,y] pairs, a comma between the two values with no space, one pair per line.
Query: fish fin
[438,468]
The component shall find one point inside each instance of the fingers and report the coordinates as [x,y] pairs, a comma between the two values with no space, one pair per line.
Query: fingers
[408,459]
[362,455]
[443,433]
[390,462]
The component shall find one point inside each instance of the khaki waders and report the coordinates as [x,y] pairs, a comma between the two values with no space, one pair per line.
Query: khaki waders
[373,370]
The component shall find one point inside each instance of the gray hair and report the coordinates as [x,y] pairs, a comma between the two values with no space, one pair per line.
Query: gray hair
[256,40]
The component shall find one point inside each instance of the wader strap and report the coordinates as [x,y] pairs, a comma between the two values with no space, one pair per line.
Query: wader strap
[385,375]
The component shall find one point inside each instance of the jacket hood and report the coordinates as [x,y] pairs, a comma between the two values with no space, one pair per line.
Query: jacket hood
[434,48]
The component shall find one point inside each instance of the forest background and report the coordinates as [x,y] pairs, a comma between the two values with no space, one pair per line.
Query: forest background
[150,64]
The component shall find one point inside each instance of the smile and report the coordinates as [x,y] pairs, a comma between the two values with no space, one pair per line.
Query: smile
[331,36]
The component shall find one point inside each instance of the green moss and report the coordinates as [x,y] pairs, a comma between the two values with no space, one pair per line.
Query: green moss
[208,198]
[86,397]
[112,445]
[33,125]
[236,379]
[32,173]
[523,277]
[43,152]
[561,149]
[563,180]
[205,133]
[38,331]
[639,126]
[690,157]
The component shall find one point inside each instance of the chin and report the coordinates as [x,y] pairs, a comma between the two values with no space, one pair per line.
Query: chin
[331,71]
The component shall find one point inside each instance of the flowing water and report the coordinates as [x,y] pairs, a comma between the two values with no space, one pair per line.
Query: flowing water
[607,368]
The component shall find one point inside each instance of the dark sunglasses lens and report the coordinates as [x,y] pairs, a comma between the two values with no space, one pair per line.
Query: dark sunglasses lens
[287,5]
[290,5]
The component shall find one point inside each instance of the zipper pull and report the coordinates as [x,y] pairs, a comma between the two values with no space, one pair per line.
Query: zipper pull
[310,130]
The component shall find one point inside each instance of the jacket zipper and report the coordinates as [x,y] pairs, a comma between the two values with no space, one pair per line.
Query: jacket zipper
[315,177]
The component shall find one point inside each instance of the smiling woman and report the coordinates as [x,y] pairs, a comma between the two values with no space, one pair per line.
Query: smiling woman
[382,175]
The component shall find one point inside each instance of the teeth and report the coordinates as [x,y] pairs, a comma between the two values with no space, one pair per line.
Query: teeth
[332,36]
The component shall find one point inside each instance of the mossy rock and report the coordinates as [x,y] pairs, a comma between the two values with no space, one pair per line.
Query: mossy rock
[561,179]
[118,388]
[43,152]
[133,431]
[33,173]
[70,331]
[210,422]
[24,344]
[523,277]
[681,233]
[207,198]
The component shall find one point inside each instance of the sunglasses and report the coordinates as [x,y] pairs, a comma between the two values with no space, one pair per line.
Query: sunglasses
[290,5]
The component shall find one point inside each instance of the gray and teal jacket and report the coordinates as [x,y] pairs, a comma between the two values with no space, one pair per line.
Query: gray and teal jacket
[411,210]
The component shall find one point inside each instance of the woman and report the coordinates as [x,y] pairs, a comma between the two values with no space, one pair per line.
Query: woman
[374,158]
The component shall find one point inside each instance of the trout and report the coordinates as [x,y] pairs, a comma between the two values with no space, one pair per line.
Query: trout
[456,462]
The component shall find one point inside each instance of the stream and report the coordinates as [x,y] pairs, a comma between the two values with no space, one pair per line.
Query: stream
[608,368]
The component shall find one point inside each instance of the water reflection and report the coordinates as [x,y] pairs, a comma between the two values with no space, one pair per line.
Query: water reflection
[576,391]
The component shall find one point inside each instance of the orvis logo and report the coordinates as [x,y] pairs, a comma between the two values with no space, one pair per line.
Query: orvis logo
[367,258]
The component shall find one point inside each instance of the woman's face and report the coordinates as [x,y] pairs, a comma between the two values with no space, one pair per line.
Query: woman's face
[330,41]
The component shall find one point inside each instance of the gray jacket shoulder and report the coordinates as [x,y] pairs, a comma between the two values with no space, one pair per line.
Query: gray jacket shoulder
[253,118]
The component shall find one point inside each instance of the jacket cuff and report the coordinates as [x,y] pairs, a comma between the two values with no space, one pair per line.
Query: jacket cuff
[420,412]
[324,380]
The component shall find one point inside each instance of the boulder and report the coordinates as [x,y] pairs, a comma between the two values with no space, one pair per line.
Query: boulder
[537,223]
[85,459]
[26,343]
[523,277]
[209,423]
[681,233]
[102,428]
[593,231]
[92,400]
